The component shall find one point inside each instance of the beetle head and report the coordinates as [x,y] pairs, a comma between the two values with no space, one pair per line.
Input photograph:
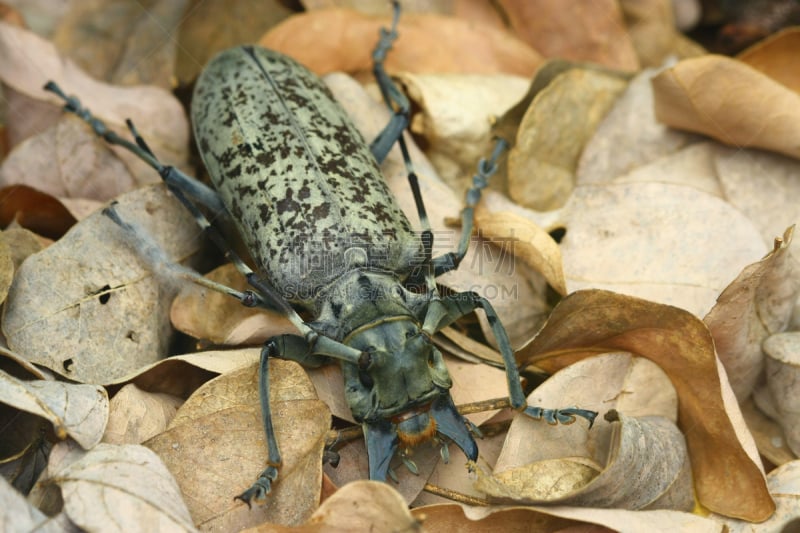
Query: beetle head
[400,391]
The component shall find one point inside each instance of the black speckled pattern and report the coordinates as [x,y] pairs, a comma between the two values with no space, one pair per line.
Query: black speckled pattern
[296,175]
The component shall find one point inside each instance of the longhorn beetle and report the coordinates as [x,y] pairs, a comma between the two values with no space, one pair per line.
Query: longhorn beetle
[303,188]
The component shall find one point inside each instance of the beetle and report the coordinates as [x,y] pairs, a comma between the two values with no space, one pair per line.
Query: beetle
[307,196]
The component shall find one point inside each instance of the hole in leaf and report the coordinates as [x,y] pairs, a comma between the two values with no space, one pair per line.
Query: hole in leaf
[68,364]
[104,296]
[558,233]
[132,336]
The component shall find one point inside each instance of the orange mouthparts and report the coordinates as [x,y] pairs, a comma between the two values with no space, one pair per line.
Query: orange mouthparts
[415,426]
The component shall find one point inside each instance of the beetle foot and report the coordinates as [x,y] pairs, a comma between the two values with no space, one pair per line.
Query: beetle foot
[263,485]
[560,416]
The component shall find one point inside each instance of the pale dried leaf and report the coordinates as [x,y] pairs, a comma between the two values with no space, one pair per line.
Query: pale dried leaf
[136,415]
[762,185]
[365,506]
[723,455]
[75,410]
[343,40]
[21,243]
[651,27]
[455,117]
[16,514]
[465,347]
[450,517]
[6,267]
[552,134]
[81,208]
[784,484]
[30,61]
[783,377]
[731,102]
[757,304]
[528,242]
[769,436]
[629,136]
[572,29]
[126,43]
[121,488]
[215,446]
[210,315]
[654,241]
[69,160]
[110,309]
[776,56]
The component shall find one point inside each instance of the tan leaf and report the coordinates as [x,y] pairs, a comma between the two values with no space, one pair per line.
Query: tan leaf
[757,304]
[652,28]
[215,446]
[450,517]
[776,56]
[784,484]
[219,24]
[136,415]
[21,243]
[75,410]
[629,136]
[458,130]
[30,61]
[17,514]
[110,311]
[69,159]
[552,134]
[729,101]
[122,42]
[722,453]
[216,317]
[783,376]
[127,486]
[593,32]
[526,241]
[6,267]
[340,39]
[653,240]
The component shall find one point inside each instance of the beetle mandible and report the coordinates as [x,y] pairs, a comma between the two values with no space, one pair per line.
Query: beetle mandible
[303,188]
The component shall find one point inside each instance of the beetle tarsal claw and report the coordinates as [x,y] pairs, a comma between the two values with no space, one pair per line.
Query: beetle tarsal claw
[259,490]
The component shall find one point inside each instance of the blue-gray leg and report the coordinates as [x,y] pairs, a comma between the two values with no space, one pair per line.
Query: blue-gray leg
[452,307]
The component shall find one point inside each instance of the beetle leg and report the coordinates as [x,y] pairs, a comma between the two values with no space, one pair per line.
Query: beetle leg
[447,310]
[486,168]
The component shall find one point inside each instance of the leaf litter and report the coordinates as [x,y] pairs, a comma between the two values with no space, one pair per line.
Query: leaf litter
[649,211]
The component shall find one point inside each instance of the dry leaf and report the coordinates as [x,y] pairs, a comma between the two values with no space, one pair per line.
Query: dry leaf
[450,517]
[552,134]
[135,415]
[215,446]
[757,304]
[528,242]
[629,136]
[124,487]
[123,42]
[729,101]
[69,159]
[455,118]
[776,56]
[762,185]
[768,435]
[6,268]
[340,39]
[109,310]
[784,484]
[75,410]
[577,466]
[723,456]
[218,318]
[34,210]
[651,26]
[29,62]
[667,243]
[783,376]
[17,514]
[576,30]
[21,243]
[212,26]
